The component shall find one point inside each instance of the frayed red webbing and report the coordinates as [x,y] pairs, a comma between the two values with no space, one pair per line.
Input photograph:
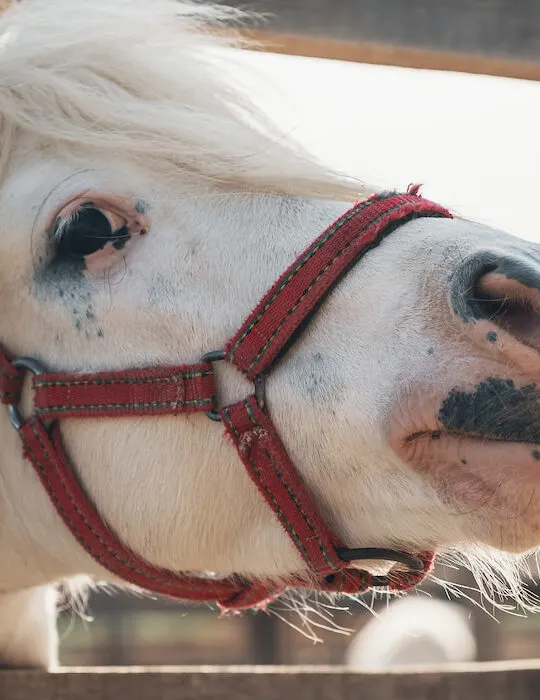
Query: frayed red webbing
[11,379]
[291,301]
[264,337]
[136,392]
[271,469]
[45,451]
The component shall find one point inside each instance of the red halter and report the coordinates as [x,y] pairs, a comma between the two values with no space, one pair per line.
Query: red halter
[261,342]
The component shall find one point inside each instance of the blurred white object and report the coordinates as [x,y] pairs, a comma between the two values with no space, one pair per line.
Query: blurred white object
[414,632]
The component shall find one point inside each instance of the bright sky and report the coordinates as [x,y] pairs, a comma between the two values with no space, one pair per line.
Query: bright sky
[473,140]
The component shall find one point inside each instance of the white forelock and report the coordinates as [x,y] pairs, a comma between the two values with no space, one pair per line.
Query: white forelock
[67,83]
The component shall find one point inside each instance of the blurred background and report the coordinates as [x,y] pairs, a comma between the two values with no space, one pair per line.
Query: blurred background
[424,627]
[471,139]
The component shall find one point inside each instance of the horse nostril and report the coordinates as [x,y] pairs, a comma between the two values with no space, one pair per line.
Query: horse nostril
[504,291]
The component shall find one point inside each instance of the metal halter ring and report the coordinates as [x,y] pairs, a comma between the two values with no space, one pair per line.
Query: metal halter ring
[36,368]
[259,383]
[413,563]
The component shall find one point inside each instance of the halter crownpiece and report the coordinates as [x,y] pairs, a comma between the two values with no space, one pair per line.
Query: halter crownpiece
[261,342]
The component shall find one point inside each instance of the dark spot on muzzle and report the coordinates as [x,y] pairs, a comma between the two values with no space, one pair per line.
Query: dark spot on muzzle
[495,409]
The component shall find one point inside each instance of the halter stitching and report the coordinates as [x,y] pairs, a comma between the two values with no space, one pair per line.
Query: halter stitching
[308,255]
[189,581]
[46,384]
[113,406]
[294,497]
[259,356]
[283,518]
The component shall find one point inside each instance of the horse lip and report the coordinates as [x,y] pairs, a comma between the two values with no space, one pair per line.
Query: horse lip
[470,435]
[441,452]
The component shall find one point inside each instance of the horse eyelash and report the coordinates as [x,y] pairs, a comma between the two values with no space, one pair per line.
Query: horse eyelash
[61,224]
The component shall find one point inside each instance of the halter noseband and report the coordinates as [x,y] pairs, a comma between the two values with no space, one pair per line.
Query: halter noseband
[262,341]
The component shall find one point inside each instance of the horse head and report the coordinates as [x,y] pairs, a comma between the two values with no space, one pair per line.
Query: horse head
[147,206]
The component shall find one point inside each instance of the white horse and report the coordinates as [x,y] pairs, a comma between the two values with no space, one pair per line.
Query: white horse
[409,405]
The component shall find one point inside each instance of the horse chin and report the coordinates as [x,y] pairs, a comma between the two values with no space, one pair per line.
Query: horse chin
[493,485]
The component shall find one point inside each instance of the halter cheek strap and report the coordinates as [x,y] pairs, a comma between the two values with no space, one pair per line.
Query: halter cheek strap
[259,344]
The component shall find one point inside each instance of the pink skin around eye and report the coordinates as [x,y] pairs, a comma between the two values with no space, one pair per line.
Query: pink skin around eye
[103,259]
[121,211]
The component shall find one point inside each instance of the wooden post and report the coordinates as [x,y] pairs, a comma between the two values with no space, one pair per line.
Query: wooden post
[263,639]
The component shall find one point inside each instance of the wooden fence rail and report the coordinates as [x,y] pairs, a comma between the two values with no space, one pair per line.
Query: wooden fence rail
[494,37]
[493,681]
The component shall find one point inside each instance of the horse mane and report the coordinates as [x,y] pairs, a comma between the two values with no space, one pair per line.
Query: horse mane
[154,80]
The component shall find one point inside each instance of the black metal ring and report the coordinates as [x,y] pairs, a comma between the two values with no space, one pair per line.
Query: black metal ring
[259,383]
[36,368]
[411,561]
[260,390]
[214,356]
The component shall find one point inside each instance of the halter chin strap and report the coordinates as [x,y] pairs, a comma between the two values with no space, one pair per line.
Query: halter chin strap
[260,343]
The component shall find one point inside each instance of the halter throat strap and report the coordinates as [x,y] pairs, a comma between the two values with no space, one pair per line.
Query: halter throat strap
[262,341]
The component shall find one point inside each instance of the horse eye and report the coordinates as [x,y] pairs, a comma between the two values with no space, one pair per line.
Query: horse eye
[86,232]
